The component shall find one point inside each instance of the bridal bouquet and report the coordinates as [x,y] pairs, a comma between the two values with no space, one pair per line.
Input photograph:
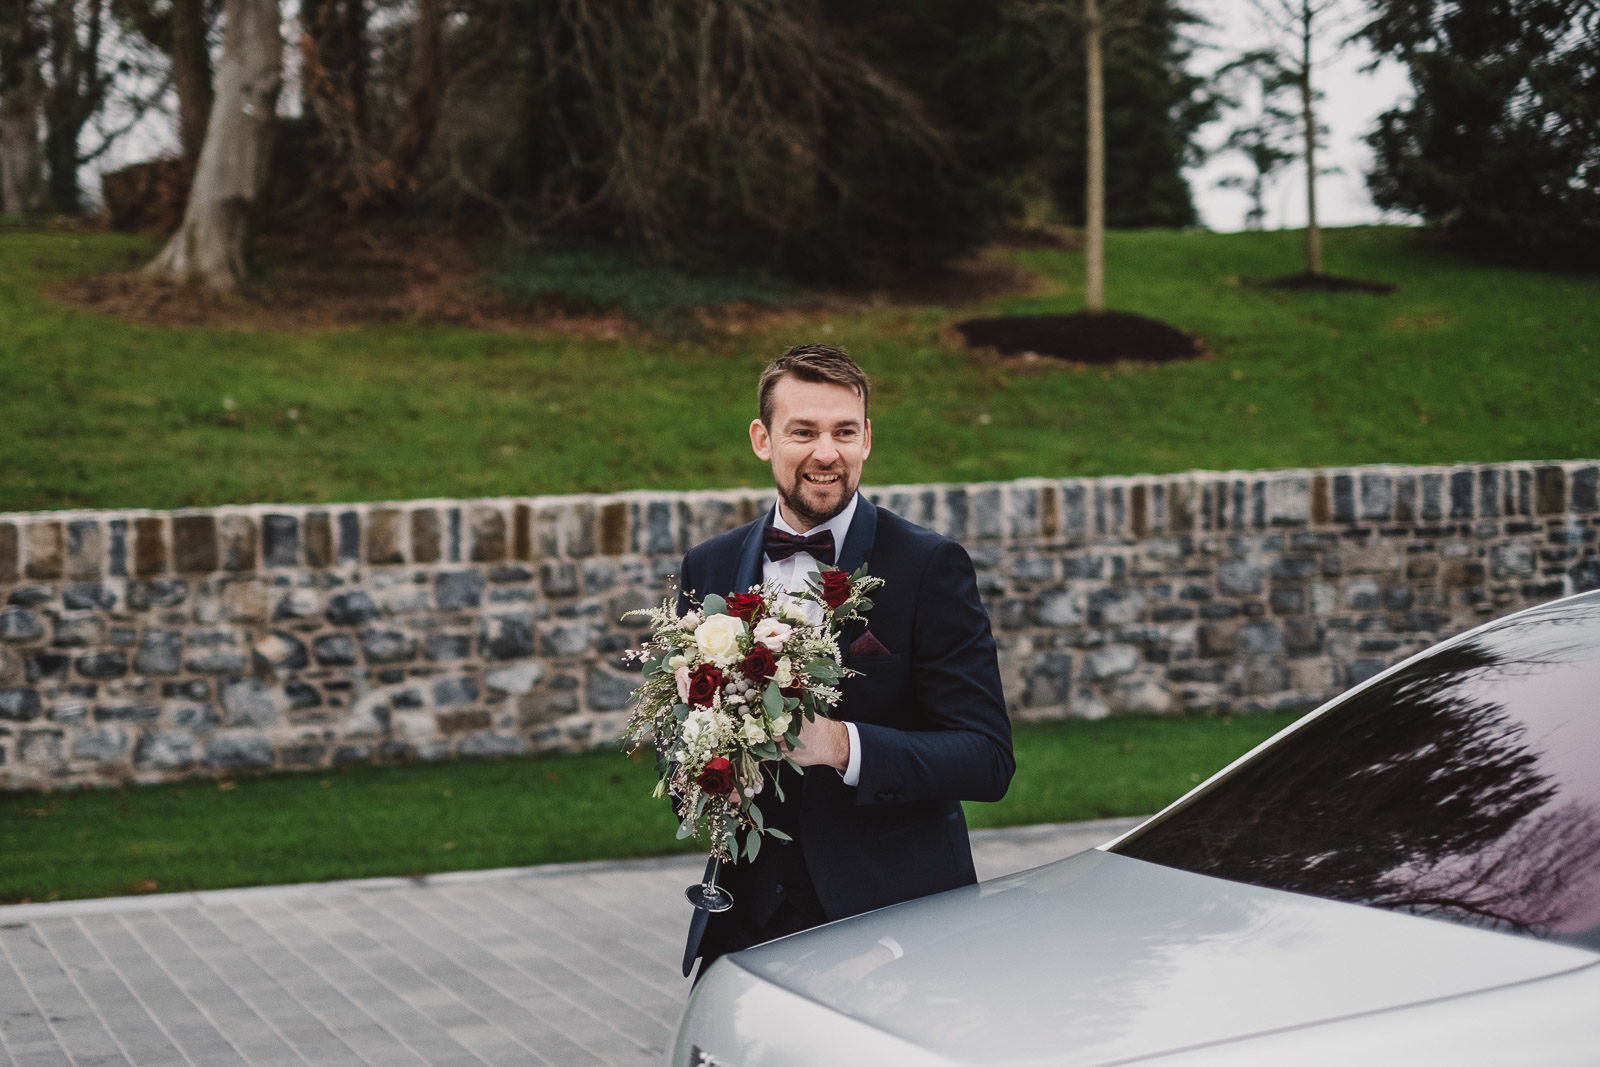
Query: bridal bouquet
[724,690]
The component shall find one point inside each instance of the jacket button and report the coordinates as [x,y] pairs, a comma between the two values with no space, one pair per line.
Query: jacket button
[778,889]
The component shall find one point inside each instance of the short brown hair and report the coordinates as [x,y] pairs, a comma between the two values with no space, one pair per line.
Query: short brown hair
[811,363]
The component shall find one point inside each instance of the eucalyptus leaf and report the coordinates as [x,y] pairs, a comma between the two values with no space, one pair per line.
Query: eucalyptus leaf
[790,703]
[733,849]
[685,829]
[752,845]
[680,711]
[779,787]
[772,700]
[755,814]
[797,768]
[713,605]
[780,835]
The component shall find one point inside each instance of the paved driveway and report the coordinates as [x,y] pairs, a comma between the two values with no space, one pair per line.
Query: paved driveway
[567,965]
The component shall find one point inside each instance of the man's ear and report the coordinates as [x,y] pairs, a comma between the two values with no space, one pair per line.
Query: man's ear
[866,440]
[760,440]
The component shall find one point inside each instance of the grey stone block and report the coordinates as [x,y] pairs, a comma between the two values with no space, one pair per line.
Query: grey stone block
[103,665]
[334,650]
[164,750]
[351,609]
[19,626]
[451,692]
[40,745]
[558,579]
[160,652]
[447,646]
[217,661]
[517,678]
[571,640]
[157,594]
[388,646]
[19,705]
[202,718]
[1111,661]
[250,702]
[1116,606]
[1239,577]
[1260,639]
[1058,607]
[487,744]
[507,637]
[609,692]
[239,753]
[458,590]
[127,713]
[88,596]
[102,744]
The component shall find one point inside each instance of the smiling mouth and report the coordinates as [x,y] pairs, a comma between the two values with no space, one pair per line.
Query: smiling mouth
[820,479]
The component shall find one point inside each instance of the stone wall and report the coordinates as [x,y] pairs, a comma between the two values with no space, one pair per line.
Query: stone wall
[150,645]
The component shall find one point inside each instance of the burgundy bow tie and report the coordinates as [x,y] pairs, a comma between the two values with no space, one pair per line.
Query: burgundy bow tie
[781,545]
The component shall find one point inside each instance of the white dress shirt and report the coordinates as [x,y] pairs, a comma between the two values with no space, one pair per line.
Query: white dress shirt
[792,573]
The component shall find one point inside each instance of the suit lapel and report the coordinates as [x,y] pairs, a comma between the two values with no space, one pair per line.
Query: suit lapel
[857,549]
[750,556]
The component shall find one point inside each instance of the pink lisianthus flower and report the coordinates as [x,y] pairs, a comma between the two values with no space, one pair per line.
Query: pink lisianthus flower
[772,633]
[681,676]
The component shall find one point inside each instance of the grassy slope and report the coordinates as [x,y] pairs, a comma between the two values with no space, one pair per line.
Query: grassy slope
[100,413]
[412,820]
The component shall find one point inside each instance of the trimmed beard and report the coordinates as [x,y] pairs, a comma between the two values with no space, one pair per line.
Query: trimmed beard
[791,500]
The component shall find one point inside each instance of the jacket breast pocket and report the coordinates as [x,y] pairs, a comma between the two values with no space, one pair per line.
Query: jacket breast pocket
[880,692]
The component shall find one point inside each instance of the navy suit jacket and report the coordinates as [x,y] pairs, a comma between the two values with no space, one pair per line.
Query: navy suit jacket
[930,716]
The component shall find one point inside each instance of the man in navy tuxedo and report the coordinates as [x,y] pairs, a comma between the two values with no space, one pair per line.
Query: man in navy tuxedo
[876,818]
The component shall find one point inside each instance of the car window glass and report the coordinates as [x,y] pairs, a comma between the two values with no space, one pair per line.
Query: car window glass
[1465,786]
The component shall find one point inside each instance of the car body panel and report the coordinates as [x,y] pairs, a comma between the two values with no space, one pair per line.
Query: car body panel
[1100,959]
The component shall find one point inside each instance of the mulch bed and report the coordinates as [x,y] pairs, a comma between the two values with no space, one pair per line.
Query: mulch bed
[1328,283]
[1107,337]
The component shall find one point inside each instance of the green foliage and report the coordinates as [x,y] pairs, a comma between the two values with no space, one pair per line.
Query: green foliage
[644,287]
[1500,363]
[1501,141]
[373,821]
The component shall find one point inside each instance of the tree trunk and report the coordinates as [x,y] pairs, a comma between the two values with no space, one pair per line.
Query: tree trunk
[1309,117]
[21,94]
[76,90]
[209,247]
[1094,284]
[191,75]
[427,87]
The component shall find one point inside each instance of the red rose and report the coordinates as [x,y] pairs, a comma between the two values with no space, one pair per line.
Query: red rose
[760,664]
[717,777]
[744,605]
[835,588]
[704,681]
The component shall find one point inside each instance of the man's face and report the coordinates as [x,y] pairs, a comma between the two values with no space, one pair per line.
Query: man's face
[818,440]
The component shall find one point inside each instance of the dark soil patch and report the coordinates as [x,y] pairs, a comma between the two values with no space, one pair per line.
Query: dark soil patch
[1109,337]
[1328,283]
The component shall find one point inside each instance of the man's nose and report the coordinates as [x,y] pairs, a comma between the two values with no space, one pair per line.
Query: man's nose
[825,452]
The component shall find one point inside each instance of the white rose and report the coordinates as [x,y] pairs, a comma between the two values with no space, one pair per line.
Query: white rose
[689,621]
[772,633]
[780,725]
[798,612]
[680,660]
[754,732]
[718,639]
[785,673]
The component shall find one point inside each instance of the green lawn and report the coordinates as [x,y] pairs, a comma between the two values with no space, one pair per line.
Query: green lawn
[1466,362]
[457,816]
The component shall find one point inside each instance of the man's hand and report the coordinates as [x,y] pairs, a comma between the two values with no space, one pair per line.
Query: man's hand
[826,741]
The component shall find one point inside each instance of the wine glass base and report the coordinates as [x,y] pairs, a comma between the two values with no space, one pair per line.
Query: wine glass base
[712,898]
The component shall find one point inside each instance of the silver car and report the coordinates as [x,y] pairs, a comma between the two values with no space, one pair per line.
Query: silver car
[1408,875]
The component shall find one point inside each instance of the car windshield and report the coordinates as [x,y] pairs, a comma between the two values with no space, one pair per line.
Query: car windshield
[1464,786]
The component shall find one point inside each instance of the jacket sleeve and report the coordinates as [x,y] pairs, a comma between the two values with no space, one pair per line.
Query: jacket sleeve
[962,748]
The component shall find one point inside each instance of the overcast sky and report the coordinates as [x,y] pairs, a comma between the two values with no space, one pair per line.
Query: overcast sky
[1355,98]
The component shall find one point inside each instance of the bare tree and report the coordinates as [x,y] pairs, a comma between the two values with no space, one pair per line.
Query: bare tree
[209,246]
[76,88]
[1297,28]
[1264,136]
[21,102]
[180,30]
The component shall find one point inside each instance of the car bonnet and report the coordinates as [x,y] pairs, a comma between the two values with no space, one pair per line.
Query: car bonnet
[1101,958]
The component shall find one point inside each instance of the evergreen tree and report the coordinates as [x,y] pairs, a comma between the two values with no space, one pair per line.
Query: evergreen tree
[1501,142]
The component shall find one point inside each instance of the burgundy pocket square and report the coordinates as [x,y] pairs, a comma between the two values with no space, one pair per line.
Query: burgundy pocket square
[867,645]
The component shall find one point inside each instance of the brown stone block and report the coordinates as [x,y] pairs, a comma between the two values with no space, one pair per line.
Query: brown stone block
[86,548]
[1321,503]
[45,543]
[237,534]
[9,569]
[1180,507]
[1139,510]
[1049,512]
[194,544]
[1550,490]
[522,533]
[319,539]
[149,547]
[425,536]
[1219,639]
[1421,567]
[247,600]
[614,529]
[488,528]
[450,722]
[383,536]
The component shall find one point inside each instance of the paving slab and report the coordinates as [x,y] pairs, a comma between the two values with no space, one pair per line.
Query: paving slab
[566,965]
